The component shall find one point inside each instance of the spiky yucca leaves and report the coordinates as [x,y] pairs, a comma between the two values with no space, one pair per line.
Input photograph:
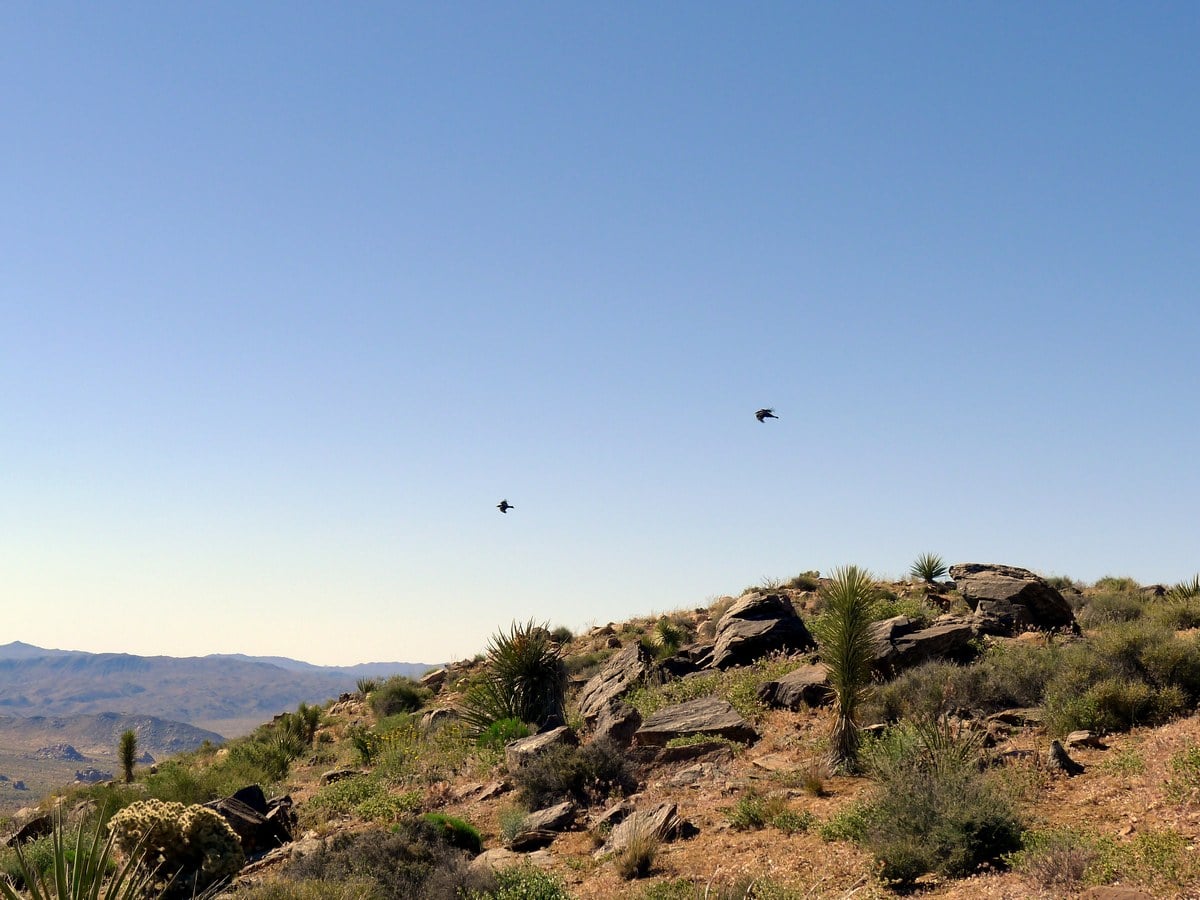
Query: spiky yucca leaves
[1185,590]
[524,678]
[929,567]
[127,753]
[843,636]
[82,871]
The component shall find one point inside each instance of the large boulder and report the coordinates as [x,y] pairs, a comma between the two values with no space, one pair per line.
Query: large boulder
[708,716]
[617,722]
[755,625]
[900,643]
[620,674]
[1008,600]
[260,825]
[541,827]
[805,686]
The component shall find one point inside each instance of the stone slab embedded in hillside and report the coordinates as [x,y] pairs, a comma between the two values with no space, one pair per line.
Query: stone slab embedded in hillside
[541,827]
[708,716]
[617,722]
[755,625]
[1008,600]
[620,674]
[500,858]
[805,686]
[900,643]
[517,753]
[662,821]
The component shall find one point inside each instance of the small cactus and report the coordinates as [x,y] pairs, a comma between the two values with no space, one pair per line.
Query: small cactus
[191,846]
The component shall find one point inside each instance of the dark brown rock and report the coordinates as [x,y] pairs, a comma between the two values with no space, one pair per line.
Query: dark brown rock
[617,722]
[1057,758]
[540,828]
[807,686]
[755,625]
[1008,600]
[257,833]
[340,774]
[621,673]
[31,830]
[522,750]
[900,643]
[707,716]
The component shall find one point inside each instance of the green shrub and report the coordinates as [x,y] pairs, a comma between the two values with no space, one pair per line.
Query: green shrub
[931,809]
[310,889]
[385,807]
[1114,584]
[1064,859]
[562,635]
[366,685]
[524,678]
[398,695]
[502,732]
[412,859]
[737,686]
[187,849]
[754,811]
[805,581]
[744,888]
[1099,610]
[1186,590]
[587,775]
[1184,784]
[1175,612]
[636,858]
[456,832]
[523,882]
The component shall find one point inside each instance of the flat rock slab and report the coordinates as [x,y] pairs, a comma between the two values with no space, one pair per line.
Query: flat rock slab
[517,753]
[708,716]
[499,858]
[662,821]
[620,674]
[805,686]
[900,643]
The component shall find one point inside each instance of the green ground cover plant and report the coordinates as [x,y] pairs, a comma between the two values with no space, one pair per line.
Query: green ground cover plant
[738,686]
[588,775]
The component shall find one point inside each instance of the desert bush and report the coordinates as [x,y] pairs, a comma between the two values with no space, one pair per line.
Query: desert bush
[524,678]
[844,637]
[1178,613]
[1185,590]
[1067,858]
[586,774]
[1056,859]
[366,685]
[928,567]
[562,635]
[665,638]
[511,819]
[1131,673]
[386,808]
[185,849]
[931,809]
[58,867]
[745,888]
[502,732]
[584,665]
[310,889]
[1102,609]
[398,694]
[410,860]
[523,882]
[755,810]
[456,832]
[1116,584]
[1183,785]
[805,581]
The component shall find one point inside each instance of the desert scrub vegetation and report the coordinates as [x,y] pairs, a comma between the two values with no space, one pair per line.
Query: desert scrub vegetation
[755,810]
[411,859]
[1129,673]
[523,882]
[398,694]
[59,867]
[366,797]
[931,809]
[588,775]
[745,888]
[1066,859]
[738,686]
[523,678]
[184,849]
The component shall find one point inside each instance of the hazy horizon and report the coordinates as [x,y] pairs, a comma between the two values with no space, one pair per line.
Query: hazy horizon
[293,295]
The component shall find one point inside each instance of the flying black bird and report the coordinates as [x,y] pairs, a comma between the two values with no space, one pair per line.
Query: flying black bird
[504,506]
[763,414]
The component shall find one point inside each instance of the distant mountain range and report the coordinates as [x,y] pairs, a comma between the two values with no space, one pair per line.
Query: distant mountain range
[97,736]
[225,693]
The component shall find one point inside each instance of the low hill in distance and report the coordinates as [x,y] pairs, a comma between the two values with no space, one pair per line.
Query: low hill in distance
[227,694]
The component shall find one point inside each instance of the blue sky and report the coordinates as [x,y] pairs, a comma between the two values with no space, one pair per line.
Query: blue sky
[291,295]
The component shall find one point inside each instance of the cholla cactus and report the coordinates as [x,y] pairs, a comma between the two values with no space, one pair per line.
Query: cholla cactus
[192,845]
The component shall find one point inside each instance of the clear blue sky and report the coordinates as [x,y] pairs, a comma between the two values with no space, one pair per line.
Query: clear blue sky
[292,295]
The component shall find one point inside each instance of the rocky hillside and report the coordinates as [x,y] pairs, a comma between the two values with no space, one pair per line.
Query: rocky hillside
[1020,739]
[97,735]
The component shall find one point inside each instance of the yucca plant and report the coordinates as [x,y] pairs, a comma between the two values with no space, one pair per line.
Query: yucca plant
[843,636]
[85,870]
[929,567]
[524,678]
[1185,590]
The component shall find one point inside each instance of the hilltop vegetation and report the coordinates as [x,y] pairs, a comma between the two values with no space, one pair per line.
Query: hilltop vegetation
[1011,736]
